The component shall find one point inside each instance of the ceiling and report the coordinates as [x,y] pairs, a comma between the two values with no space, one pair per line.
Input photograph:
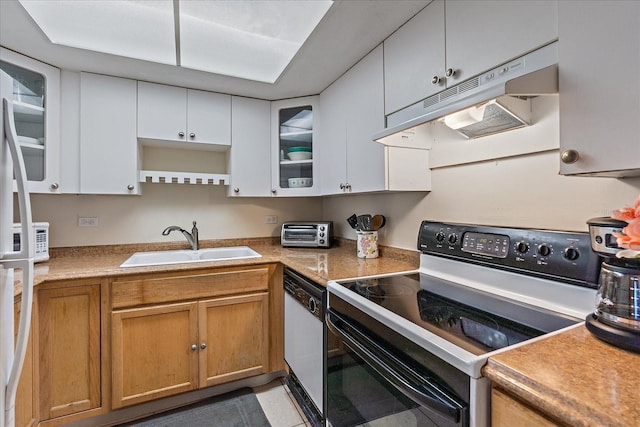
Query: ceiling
[350,30]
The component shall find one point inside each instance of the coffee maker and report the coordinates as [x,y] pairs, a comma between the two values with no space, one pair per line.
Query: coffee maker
[616,319]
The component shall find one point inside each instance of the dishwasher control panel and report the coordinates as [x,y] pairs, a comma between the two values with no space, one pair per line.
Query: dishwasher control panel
[305,292]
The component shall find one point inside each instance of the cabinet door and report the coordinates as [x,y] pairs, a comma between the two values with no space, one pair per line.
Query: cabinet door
[365,157]
[599,111]
[36,109]
[413,55]
[250,153]
[26,399]
[293,127]
[507,412]
[154,352]
[332,131]
[208,117]
[484,34]
[69,350]
[162,112]
[108,145]
[234,338]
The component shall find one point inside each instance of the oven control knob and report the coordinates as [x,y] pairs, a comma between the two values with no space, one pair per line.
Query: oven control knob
[452,239]
[321,234]
[321,241]
[544,250]
[321,228]
[312,305]
[522,247]
[440,236]
[571,253]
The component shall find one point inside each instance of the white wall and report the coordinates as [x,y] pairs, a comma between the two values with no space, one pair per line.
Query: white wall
[141,219]
[521,191]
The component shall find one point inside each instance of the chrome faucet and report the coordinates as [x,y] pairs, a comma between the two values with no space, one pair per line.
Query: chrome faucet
[192,237]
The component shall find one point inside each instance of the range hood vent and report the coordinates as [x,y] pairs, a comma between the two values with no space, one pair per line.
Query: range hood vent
[495,101]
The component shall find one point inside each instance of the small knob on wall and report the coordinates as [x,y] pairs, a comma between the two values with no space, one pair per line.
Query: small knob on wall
[130,187]
[181,134]
[55,186]
[569,156]
[236,190]
[192,135]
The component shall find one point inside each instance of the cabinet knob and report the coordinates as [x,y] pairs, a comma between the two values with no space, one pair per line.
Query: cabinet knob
[273,191]
[435,80]
[203,345]
[569,156]
[342,186]
[181,134]
[348,187]
[194,347]
[450,72]
[55,186]
[236,190]
[192,135]
[130,187]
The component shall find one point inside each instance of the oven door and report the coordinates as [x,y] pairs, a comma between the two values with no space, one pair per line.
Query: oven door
[368,380]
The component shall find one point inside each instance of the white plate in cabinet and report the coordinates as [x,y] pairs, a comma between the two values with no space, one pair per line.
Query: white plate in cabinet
[174,114]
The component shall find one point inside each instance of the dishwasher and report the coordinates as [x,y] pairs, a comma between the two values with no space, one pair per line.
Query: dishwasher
[305,343]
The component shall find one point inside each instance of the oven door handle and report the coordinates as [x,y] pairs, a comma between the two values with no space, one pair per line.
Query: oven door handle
[421,389]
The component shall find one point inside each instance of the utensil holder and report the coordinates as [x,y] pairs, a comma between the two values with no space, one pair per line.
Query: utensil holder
[367,244]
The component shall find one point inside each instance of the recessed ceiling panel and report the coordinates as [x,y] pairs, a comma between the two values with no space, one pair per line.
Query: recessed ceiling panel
[253,40]
[142,29]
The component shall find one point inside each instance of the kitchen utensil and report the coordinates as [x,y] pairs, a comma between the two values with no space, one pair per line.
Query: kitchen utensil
[364,222]
[378,221]
[353,221]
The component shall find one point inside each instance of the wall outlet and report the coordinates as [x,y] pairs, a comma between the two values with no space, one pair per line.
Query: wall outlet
[87,221]
[270,219]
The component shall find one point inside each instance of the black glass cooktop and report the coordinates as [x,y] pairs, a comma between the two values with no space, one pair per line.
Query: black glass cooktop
[475,320]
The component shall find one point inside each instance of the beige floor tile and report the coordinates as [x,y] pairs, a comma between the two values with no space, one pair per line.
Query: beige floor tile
[277,406]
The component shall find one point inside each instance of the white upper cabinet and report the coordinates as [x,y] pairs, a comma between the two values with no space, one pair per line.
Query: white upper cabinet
[599,111]
[483,34]
[412,56]
[294,170]
[169,113]
[250,154]
[352,110]
[451,41]
[36,106]
[108,144]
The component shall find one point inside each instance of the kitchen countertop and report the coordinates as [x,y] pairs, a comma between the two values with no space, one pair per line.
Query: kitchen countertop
[320,265]
[573,378]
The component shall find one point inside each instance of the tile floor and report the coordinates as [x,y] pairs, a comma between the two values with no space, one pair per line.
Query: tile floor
[279,405]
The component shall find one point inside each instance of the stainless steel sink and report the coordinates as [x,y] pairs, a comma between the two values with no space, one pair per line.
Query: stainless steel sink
[141,259]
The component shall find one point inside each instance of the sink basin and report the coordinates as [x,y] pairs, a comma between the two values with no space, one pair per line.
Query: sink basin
[141,259]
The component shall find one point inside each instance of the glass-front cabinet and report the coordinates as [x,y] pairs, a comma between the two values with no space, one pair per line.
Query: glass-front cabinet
[293,147]
[36,106]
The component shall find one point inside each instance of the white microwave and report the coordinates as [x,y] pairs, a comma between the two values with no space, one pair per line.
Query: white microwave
[41,236]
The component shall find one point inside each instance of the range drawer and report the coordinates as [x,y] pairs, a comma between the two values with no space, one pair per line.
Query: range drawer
[159,288]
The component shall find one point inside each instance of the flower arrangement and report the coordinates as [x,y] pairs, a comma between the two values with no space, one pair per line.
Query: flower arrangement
[629,239]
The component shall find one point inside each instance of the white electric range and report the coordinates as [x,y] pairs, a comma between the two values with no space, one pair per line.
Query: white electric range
[411,346]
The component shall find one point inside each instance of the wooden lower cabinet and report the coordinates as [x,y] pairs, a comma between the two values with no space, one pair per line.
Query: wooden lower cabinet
[235,334]
[152,352]
[26,398]
[175,347]
[69,343]
[508,412]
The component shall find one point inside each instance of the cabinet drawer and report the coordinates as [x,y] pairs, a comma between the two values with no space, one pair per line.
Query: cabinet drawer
[184,286]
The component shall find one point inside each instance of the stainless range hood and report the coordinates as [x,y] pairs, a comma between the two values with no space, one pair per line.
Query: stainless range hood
[495,101]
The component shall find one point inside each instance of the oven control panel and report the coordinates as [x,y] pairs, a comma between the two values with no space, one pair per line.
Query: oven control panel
[557,255]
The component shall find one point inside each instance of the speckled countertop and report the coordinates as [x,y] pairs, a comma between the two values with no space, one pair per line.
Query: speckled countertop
[319,265]
[574,378]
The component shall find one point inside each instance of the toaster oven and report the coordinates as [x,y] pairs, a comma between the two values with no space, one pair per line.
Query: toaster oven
[41,236]
[307,234]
